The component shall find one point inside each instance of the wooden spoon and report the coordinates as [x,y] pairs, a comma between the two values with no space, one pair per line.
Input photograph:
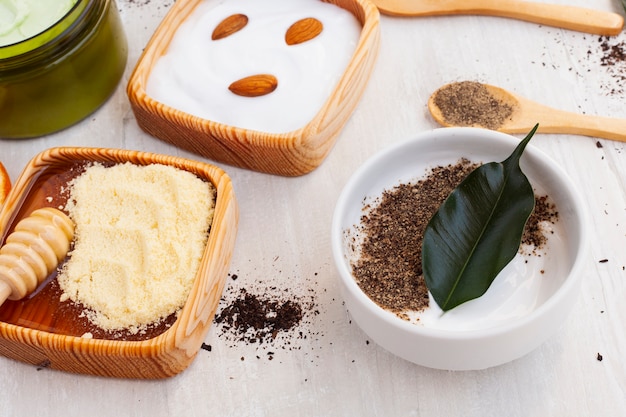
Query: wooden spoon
[567,17]
[527,113]
[32,251]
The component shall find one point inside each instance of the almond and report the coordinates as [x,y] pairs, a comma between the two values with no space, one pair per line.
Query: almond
[254,85]
[233,23]
[303,30]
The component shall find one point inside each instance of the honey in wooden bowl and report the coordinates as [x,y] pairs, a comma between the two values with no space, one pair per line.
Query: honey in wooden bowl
[44,330]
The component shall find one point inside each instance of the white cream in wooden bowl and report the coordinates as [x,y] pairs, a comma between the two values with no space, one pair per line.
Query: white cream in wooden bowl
[196,71]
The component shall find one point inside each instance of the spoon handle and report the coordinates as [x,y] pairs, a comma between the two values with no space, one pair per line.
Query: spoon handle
[596,126]
[564,122]
[567,17]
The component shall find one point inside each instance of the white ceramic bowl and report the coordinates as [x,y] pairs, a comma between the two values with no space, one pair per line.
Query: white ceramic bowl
[464,348]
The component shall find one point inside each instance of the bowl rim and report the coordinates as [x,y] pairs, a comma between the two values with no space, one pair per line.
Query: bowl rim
[469,133]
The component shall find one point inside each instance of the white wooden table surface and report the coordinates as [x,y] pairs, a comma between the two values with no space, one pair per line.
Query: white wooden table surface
[284,241]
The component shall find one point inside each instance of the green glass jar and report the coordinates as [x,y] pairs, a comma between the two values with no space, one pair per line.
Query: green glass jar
[60,76]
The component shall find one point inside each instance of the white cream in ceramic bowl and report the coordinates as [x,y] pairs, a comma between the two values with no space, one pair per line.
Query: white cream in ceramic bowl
[526,303]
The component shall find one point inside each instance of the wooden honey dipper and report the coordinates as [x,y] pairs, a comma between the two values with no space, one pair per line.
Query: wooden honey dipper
[32,251]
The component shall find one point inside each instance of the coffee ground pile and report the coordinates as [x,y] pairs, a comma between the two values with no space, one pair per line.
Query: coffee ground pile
[257,319]
[389,266]
[534,236]
[267,317]
[469,103]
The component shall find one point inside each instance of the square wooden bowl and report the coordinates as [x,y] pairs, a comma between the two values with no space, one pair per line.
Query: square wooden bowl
[39,333]
[289,154]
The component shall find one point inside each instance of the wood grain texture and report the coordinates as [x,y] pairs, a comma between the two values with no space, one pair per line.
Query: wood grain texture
[581,19]
[287,154]
[162,356]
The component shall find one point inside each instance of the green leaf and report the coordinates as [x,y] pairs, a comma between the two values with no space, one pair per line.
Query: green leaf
[477,230]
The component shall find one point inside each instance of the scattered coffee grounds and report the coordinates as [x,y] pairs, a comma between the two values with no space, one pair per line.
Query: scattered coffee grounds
[613,59]
[469,103]
[604,56]
[389,238]
[257,319]
[136,2]
[614,53]
[268,318]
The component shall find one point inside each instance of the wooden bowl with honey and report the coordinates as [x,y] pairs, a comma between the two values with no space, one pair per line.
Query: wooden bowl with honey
[58,326]
[272,101]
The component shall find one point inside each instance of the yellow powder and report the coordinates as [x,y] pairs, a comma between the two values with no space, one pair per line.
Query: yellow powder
[139,238]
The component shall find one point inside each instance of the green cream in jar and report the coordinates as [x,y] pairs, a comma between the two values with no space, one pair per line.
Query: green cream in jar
[23,19]
[60,60]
